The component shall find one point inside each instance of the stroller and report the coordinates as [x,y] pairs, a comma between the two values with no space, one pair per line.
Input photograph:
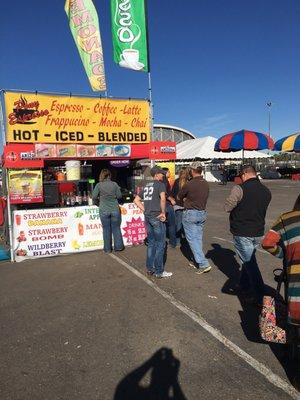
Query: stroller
[274,324]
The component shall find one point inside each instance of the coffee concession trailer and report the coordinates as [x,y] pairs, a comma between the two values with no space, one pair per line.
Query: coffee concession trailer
[55,146]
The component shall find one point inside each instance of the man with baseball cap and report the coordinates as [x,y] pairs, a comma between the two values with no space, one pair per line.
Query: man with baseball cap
[152,201]
[194,195]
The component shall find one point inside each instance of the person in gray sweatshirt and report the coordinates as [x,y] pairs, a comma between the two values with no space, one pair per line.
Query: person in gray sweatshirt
[107,193]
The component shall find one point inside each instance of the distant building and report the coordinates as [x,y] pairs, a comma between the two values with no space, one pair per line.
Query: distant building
[171,133]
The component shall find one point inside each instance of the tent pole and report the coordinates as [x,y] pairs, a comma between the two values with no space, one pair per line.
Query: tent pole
[6,185]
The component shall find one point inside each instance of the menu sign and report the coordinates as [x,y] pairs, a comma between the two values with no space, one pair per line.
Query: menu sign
[25,186]
[133,225]
[41,118]
[120,150]
[50,232]
[82,150]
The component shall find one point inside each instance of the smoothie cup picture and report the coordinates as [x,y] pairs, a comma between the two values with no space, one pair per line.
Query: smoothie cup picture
[25,188]
[80,229]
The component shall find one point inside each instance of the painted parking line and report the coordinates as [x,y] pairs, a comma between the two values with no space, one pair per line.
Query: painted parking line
[230,241]
[198,319]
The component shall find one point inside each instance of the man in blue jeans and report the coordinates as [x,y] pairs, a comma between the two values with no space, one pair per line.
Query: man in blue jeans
[152,202]
[194,195]
[247,205]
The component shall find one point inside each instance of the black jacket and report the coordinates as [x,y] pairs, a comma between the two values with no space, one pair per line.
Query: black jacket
[248,217]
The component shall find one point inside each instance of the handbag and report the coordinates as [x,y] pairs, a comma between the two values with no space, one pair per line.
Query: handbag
[273,317]
[272,320]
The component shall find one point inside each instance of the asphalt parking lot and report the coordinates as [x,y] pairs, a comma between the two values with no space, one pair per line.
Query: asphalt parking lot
[93,326]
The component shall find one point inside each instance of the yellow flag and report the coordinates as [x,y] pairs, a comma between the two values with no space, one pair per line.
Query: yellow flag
[84,25]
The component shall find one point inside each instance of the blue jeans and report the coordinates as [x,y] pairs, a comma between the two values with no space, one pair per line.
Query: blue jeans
[250,275]
[111,222]
[193,223]
[179,226]
[156,236]
[171,225]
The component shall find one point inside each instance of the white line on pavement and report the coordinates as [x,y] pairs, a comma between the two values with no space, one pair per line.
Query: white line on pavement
[230,241]
[258,366]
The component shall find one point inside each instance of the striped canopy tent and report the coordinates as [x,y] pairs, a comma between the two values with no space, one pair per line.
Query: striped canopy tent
[244,140]
[289,143]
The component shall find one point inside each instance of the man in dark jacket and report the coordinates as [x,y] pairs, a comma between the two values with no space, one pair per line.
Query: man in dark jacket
[247,205]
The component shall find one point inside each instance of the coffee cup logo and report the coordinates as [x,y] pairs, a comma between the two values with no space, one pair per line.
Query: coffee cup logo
[130,59]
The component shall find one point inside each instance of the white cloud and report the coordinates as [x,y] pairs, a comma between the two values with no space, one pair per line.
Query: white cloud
[214,122]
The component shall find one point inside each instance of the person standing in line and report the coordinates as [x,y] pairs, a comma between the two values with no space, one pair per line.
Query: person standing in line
[283,241]
[152,201]
[107,193]
[247,205]
[224,175]
[170,213]
[183,178]
[194,195]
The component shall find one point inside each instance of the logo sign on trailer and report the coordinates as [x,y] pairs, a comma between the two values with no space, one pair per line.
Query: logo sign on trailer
[21,156]
[41,118]
[162,151]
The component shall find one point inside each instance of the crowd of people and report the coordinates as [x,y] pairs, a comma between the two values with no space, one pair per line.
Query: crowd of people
[179,213]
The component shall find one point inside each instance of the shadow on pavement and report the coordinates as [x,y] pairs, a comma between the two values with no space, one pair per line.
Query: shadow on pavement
[224,260]
[163,368]
[186,250]
[291,368]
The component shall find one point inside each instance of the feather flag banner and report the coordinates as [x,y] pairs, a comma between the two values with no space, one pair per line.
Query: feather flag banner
[84,25]
[129,34]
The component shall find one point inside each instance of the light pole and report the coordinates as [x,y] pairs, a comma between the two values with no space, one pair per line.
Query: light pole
[269,104]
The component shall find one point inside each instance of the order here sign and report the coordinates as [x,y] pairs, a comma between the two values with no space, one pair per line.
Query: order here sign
[42,118]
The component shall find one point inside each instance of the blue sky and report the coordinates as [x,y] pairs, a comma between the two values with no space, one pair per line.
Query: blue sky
[214,63]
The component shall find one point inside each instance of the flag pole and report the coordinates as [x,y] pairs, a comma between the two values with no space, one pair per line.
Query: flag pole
[149,74]
[269,104]
[148,52]
[7,222]
[150,87]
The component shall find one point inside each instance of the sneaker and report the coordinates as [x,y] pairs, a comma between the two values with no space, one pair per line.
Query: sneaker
[202,270]
[150,272]
[192,264]
[122,249]
[164,274]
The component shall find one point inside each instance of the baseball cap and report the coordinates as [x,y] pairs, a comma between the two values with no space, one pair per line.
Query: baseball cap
[196,164]
[157,170]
